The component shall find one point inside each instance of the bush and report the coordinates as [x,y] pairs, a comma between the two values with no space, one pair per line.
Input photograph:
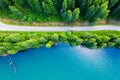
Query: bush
[49,44]
[111,44]
[55,37]
[11,52]
[29,17]
[2,50]
[117,43]
[90,43]
[42,40]
[13,38]
[102,45]
[12,42]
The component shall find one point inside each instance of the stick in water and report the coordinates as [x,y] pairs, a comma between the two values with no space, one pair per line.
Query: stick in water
[12,64]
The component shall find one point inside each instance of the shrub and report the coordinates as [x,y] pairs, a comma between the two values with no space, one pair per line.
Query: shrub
[42,40]
[55,37]
[2,50]
[11,52]
[11,43]
[13,38]
[111,44]
[117,43]
[49,44]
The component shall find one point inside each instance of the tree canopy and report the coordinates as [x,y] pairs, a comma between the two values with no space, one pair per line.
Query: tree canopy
[12,42]
[69,10]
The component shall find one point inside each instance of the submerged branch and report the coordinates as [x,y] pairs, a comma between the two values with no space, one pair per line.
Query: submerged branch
[12,64]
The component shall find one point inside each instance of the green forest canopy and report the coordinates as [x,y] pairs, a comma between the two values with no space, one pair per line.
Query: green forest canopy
[12,42]
[67,10]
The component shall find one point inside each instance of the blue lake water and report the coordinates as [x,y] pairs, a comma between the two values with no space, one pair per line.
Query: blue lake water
[63,62]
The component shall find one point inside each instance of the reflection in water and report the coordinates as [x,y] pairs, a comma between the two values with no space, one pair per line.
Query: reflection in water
[95,57]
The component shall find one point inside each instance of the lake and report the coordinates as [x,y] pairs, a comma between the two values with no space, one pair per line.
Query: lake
[62,62]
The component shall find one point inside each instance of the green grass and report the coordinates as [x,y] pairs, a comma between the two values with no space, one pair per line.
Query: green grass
[102,32]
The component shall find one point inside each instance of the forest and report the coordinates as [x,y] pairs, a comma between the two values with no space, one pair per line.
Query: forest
[60,10]
[13,42]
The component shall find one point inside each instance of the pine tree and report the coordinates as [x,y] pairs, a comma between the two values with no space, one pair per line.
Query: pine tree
[38,6]
[31,4]
[19,3]
[82,5]
[49,8]
[68,5]
[7,2]
[58,4]
[64,5]
[112,3]
[4,4]
[75,14]
[93,10]
[104,10]
[115,11]
[71,4]
[15,11]
[35,5]
[67,16]
[98,12]
[90,12]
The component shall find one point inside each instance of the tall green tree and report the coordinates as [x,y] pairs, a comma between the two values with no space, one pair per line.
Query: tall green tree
[35,5]
[1,5]
[4,4]
[71,4]
[67,16]
[64,5]
[112,3]
[58,4]
[70,13]
[75,15]
[93,10]
[68,5]
[49,8]
[14,10]
[115,11]
[19,3]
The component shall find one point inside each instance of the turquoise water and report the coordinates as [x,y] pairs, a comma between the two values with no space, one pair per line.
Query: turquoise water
[63,62]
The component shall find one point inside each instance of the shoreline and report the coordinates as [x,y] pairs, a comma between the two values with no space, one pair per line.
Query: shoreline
[13,42]
[64,45]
